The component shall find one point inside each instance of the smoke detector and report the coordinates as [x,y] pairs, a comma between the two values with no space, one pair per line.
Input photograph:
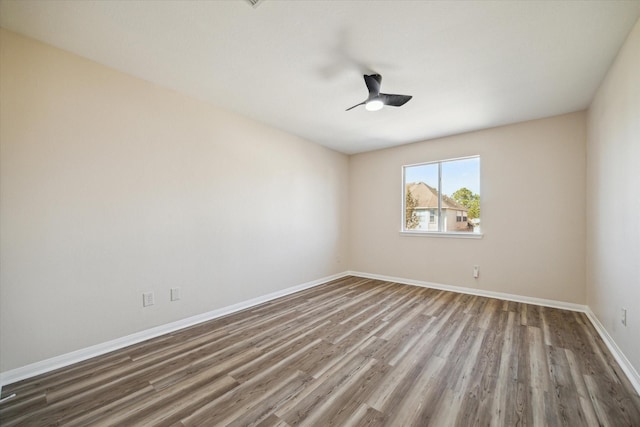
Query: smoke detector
[254,3]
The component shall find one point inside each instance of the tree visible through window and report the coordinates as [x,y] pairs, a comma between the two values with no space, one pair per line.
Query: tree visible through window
[442,196]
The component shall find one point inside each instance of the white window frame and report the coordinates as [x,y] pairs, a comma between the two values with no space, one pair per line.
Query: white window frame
[453,234]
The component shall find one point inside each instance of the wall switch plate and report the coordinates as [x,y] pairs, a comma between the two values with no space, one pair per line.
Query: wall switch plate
[476,271]
[175,294]
[623,316]
[147,299]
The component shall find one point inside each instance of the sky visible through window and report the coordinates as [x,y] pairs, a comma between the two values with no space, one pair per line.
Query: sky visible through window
[455,175]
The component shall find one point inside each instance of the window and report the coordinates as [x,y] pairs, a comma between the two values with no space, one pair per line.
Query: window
[442,197]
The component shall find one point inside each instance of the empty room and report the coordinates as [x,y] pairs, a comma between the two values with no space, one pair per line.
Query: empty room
[350,213]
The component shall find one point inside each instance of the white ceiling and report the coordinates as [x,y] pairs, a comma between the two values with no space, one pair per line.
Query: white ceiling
[297,65]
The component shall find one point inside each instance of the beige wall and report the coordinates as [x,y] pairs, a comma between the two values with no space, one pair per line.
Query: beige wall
[532,204]
[613,200]
[112,186]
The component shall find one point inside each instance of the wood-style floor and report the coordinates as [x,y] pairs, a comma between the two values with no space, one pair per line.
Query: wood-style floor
[352,352]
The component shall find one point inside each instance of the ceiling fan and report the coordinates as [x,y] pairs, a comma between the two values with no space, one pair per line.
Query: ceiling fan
[377,100]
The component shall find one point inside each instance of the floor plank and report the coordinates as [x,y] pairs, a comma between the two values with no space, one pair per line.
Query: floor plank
[351,352]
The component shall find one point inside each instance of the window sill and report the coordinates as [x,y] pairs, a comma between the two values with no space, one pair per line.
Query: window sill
[452,235]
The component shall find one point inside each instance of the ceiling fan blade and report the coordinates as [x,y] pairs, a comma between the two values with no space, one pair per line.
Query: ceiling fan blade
[375,97]
[394,100]
[351,108]
[373,84]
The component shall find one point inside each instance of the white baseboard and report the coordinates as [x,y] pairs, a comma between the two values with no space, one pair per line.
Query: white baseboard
[479,292]
[67,359]
[61,361]
[622,360]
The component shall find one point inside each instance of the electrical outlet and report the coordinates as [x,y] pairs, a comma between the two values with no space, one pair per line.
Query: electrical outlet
[147,299]
[623,316]
[476,271]
[175,294]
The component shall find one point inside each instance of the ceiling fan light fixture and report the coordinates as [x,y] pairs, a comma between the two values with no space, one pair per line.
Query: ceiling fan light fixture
[376,100]
[374,105]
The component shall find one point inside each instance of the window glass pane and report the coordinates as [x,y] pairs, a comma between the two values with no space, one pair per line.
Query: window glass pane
[443,196]
[421,197]
[461,191]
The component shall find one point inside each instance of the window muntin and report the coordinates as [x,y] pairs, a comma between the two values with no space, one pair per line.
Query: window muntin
[442,196]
